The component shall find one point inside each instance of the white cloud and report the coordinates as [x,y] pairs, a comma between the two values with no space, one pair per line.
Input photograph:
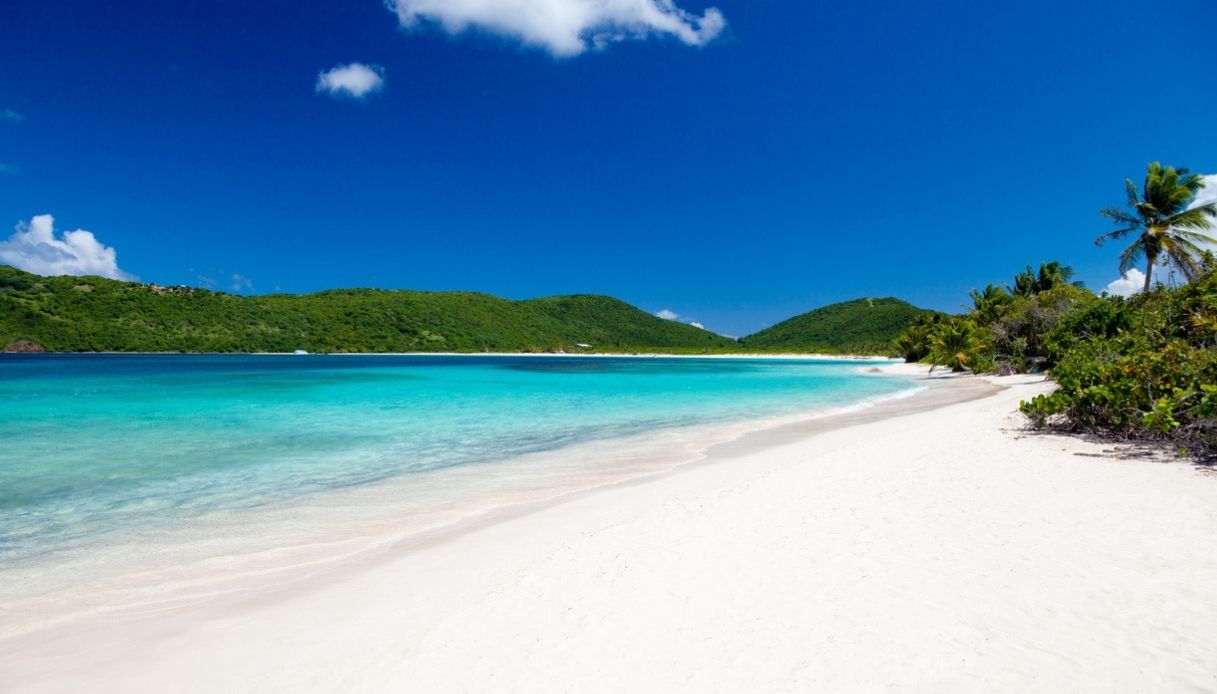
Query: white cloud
[669,314]
[355,80]
[1131,283]
[11,116]
[241,283]
[565,27]
[34,248]
[1208,193]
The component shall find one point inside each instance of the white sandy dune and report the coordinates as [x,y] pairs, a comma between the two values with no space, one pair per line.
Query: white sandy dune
[943,551]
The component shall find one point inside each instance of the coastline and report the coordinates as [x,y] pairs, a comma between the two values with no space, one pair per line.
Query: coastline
[259,549]
[924,549]
[812,356]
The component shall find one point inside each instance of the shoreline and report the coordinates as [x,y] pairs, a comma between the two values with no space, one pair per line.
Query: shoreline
[912,542]
[633,355]
[371,530]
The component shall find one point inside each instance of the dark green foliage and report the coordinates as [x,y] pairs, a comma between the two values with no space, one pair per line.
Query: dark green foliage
[990,304]
[959,344]
[1019,333]
[1006,328]
[861,326]
[1095,319]
[1145,368]
[1051,274]
[914,343]
[74,314]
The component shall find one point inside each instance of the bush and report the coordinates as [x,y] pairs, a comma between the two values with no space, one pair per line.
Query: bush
[1020,334]
[1142,369]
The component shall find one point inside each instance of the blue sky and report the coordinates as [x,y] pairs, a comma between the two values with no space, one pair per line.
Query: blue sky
[732,162]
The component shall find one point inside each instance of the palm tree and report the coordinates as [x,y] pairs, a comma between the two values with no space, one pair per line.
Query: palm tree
[1164,224]
[956,343]
[1051,274]
[914,343]
[1024,283]
[990,304]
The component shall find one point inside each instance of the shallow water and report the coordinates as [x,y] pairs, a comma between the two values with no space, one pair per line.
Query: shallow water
[96,448]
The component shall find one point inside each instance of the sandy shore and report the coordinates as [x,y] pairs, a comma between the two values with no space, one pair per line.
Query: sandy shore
[942,550]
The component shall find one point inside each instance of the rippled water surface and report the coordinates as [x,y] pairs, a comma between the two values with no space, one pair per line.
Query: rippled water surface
[94,444]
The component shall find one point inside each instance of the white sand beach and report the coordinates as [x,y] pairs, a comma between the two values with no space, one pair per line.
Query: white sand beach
[947,550]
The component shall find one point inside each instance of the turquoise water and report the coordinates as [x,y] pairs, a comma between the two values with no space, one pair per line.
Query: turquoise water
[94,445]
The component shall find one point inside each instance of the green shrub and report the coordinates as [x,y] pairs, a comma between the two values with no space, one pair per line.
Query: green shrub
[1144,369]
[1019,336]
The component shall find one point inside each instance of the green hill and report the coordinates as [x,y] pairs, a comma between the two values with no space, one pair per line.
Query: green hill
[861,326]
[78,314]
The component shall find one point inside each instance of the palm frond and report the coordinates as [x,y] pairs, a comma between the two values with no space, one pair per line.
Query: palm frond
[1119,216]
[1193,182]
[1127,223]
[1208,209]
[1117,234]
[1131,256]
[1195,218]
[1194,236]
[1167,191]
[1184,255]
[1188,265]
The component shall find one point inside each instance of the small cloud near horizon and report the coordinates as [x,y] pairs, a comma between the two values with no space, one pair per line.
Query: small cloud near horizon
[669,314]
[241,283]
[564,28]
[354,80]
[36,248]
[233,282]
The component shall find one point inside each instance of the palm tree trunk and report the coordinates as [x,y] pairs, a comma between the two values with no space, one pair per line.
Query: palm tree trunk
[1149,271]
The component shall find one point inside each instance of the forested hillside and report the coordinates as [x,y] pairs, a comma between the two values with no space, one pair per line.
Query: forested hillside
[74,314]
[861,326]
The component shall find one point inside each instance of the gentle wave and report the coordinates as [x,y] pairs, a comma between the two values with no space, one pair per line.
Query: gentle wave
[102,449]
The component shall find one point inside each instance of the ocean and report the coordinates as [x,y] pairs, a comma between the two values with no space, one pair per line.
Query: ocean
[145,451]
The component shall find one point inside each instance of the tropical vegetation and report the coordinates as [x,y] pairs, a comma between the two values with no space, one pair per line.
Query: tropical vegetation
[1005,328]
[88,314]
[1143,368]
[1139,368]
[85,314]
